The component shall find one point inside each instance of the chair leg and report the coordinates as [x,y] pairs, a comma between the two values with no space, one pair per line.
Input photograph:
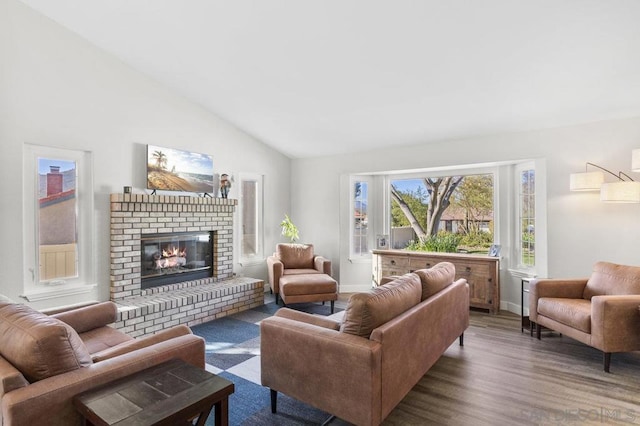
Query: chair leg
[274,400]
[276,298]
[461,339]
[606,359]
[538,331]
[332,305]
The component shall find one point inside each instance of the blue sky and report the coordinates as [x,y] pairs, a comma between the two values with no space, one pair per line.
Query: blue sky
[408,184]
[44,163]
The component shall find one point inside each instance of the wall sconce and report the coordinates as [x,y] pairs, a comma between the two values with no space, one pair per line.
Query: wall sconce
[622,191]
[635,160]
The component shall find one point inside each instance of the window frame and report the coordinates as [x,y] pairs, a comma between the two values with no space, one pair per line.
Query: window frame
[33,288]
[519,168]
[366,254]
[442,172]
[258,257]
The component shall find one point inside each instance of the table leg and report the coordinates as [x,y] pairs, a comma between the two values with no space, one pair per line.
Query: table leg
[221,415]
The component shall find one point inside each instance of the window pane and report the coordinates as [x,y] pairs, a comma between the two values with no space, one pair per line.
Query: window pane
[527,218]
[57,219]
[249,218]
[447,213]
[360,219]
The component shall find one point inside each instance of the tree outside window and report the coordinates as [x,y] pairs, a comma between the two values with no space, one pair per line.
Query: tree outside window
[448,213]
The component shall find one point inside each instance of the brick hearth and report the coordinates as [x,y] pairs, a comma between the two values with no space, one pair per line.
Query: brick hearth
[145,311]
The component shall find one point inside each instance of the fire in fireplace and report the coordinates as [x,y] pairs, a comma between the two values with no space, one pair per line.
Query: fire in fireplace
[175,257]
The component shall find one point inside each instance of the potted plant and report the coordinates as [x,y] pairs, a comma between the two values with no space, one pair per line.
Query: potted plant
[289,230]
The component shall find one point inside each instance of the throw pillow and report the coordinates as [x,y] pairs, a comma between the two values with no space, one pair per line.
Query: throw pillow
[436,278]
[38,345]
[367,311]
[295,256]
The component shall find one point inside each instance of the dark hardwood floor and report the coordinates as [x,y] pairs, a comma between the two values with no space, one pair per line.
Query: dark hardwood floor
[504,377]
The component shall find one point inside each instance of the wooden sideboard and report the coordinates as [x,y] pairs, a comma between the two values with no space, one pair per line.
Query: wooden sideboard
[481,272]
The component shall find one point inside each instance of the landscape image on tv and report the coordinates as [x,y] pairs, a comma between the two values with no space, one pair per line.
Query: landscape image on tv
[176,170]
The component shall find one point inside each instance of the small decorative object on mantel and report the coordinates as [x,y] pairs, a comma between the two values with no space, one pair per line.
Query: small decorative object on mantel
[127,190]
[225,185]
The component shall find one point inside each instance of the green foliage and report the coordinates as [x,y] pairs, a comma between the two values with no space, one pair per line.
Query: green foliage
[418,202]
[528,237]
[477,240]
[289,230]
[441,242]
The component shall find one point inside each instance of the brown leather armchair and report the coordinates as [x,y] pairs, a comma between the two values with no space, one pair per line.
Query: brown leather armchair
[294,259]
[45,360]
[600,311]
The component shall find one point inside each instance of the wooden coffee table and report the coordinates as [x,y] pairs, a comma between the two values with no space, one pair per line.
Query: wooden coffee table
[170,393]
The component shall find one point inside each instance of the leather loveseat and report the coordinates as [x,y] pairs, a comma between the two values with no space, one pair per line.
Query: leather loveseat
[600,311]
[359,369]
[47,359]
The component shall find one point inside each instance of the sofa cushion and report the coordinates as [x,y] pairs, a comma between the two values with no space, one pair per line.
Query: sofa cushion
[575,313]
[367,311]
[295,256]
[609,279]
[37,345]
[436,278]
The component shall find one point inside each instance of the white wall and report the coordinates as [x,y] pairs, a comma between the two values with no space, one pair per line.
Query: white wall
[58,90]
[580,229]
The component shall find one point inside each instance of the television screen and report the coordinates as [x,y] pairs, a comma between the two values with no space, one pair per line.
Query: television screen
[176,170]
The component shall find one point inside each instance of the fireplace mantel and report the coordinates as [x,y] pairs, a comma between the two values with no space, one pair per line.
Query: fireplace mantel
[147,311]
[135,214]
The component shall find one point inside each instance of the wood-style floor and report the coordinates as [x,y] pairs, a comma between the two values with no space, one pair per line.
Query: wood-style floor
[504,377]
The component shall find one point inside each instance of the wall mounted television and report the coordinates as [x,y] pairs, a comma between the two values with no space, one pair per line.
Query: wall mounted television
[170,169]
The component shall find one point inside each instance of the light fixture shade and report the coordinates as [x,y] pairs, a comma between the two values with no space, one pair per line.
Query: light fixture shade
[588,181]
[620,192]
[635,160]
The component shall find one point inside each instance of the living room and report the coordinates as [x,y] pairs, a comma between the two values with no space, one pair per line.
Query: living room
[60,90]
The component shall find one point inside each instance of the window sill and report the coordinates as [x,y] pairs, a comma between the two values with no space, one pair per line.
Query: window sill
[360,259]
[523,273]
[251,262]
[54,292]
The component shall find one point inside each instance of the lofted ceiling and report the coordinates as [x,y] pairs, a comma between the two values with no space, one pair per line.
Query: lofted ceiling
[325,77]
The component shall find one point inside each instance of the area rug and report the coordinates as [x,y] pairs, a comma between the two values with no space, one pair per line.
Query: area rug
[233,352]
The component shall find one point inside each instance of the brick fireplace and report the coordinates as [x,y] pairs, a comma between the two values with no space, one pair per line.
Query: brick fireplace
[146,310]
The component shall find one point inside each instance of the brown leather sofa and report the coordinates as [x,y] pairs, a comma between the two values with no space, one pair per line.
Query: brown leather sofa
[600,311]
[359,369]
[47,359]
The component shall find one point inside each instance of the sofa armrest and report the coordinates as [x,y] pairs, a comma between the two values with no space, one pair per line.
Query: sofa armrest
[308,318]
[132,345]
[10,377]
[615,323]
[37,401]
[322,264]
[572,288]
[334,371]
[275,267]
[89,317]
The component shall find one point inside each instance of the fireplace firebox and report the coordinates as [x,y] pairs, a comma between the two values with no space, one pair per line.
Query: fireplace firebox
[175,257]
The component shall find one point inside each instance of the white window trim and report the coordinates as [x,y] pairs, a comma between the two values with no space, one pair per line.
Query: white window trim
[362,257]
[33,290]
[259,257]
[518,169]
